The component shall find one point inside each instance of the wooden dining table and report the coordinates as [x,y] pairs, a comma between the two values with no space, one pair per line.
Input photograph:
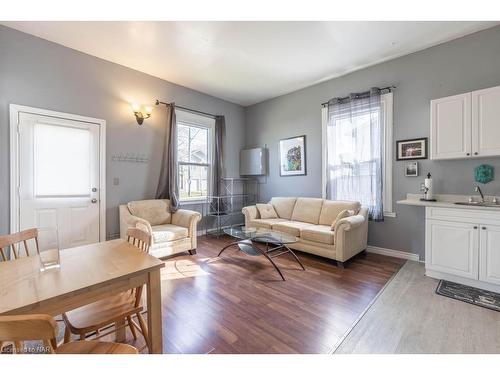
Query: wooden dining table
[87,274]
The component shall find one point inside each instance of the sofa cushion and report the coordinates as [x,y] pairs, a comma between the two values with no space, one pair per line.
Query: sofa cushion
[156,211]
[318,233]
[168,232]
[265,223]
[331,209]
[291,227]
[307,210]
[283,206]
[342,215]
[266,211]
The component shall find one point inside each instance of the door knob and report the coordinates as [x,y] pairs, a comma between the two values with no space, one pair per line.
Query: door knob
[94,200]
[94,190]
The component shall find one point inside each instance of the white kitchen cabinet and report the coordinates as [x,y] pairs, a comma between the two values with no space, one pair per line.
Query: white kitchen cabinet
[451,129]
[463,245]
[486,122]
[452,247]
[466,125]
[489,254]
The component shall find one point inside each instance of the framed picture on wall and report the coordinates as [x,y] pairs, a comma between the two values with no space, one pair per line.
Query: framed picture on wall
[293,156]
[411,149]
[411,169]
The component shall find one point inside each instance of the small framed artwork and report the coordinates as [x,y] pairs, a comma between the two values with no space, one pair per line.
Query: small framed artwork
[293,156]
[411,169]
[411,149]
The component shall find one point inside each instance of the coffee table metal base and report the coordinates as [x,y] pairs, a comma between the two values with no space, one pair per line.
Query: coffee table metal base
[249,248]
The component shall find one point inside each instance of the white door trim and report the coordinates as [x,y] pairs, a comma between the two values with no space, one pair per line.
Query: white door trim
[15,110]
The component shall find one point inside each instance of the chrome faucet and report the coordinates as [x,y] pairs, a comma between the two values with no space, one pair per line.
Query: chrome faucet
[477,189]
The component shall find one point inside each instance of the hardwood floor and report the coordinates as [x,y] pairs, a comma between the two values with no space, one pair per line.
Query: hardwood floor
[239,304]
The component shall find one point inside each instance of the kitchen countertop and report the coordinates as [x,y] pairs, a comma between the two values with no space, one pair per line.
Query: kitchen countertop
[448,201]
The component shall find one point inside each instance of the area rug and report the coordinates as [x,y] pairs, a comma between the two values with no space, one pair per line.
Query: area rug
[464,293]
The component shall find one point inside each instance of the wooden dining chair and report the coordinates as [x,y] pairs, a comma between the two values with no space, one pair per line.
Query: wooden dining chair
[95,318]
[41,327]
[139,238]
[14,240]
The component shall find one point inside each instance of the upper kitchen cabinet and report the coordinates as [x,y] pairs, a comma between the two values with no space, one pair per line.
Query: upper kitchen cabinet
[466,125]
[486,122]
[451,127]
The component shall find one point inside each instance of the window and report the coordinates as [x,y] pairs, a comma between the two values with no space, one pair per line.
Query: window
[194,155]
[350,146]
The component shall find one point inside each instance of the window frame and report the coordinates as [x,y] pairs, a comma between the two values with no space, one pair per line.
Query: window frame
[195,120]
[387,152]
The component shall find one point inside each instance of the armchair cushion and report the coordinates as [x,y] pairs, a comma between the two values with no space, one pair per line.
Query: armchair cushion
[266,211]
[168,232]
[155,211]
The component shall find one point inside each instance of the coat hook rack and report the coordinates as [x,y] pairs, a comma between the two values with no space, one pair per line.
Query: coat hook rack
[130,158]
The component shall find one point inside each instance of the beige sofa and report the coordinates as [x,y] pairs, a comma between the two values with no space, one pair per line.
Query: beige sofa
[311,219]
[171,233]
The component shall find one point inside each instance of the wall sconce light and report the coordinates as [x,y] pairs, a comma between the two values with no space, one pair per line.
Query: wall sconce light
[140,116]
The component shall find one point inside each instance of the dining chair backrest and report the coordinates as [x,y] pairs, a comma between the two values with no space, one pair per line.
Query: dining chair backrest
[142,241]
[14,241]
[19,328]
[139,239]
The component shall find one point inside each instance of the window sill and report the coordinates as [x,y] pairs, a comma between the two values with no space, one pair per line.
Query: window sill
[192,202]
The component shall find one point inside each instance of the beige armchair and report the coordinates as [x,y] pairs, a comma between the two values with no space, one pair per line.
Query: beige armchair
[171,233]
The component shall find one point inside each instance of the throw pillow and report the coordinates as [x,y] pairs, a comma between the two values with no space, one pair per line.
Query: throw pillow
[342,214]
[267,211]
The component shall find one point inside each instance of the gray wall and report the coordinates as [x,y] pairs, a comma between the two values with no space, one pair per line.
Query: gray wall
[38,73]
[462,65]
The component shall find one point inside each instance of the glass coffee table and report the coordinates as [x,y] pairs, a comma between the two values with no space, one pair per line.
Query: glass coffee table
[276,243]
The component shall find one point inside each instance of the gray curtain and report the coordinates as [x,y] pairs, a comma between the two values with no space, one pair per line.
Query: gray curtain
[218,170]
[168,187]
[355,150]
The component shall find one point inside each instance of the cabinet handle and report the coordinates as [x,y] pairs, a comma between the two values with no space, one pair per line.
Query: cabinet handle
[475,153]
[468,154]
[484,228]
[475,227]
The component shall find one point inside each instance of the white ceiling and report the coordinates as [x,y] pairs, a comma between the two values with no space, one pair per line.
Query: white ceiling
[248,62]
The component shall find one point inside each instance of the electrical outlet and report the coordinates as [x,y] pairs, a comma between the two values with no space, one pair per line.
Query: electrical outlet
[116,181]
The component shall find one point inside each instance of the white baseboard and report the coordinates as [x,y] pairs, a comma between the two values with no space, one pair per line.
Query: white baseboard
[393,253]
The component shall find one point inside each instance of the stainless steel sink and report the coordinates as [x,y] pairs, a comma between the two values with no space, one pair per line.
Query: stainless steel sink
[479,204]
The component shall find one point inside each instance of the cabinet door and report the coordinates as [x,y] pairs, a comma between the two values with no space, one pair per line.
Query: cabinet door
[451,127]
[489,254]
[486,122]
[452,247]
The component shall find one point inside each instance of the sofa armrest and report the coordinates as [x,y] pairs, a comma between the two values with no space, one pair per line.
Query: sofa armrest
[250,213]
[350,223]
[351,235]
[127,220]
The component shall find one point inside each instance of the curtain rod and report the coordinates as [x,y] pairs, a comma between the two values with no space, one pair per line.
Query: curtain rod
[188,109]
[389,88]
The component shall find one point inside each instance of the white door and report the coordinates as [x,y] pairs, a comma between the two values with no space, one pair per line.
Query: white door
[59,178]
[489,255]
[486,122]
[451,130]
[453,248]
